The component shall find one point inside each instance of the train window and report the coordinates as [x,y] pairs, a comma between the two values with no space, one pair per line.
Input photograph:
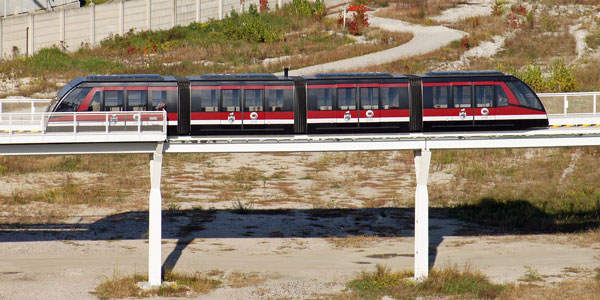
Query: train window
[253,100]
[205,100]
[280,100]
[158,100]
[113,100]
[436,96]
[96,102]
[501,98]
[72,101]
[462,96]
[524,94]
[484,95]
[320,99]
[172,97]
[369,98]
[231,100]
[137,100]
[394,97]
[346,98]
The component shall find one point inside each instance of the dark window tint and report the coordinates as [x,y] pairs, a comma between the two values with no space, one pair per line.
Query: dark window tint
[253,100]
[96,102]
[369,98]
[158,100]
[172,96]
[394,97]
[501,98]
[280,100]
[524,94]
[205,100]
[231,100]
[320,99]
[72,101]
[113,100]
[462,96]
[346,98]
[137,100]
[484,95]
[436,96]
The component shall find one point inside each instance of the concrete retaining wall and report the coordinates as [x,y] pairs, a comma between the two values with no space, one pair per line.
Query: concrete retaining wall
[69,28]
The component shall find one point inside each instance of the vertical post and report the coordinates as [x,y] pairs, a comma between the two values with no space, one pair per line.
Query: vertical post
[174,13]
[30,33]
[5,8]
[197,11]
[149,15]
[594,109]
[155,218]
[93,24]
[220,3]
[280,3]
[566,104]
[2,38]
[422,160]
[75,123]
[62,27]
[121,17]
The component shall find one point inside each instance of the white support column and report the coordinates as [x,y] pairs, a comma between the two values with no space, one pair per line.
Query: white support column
[280,3]
[155,219]
[422,161]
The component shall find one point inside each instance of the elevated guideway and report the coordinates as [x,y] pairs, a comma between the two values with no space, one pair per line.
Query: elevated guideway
[145,132]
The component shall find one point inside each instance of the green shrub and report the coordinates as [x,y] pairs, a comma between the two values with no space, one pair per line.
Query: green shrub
[307,8]
[560,78]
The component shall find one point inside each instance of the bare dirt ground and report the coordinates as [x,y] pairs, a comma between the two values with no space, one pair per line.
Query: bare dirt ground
[300,250]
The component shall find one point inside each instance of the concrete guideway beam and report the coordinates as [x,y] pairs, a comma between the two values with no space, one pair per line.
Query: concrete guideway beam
[422,162]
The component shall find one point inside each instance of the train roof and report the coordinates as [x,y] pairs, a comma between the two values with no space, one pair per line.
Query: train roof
[238,77]
[366,75]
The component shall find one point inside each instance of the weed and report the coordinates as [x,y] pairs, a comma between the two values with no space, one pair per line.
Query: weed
[238,279]
[530,275]
[240,207]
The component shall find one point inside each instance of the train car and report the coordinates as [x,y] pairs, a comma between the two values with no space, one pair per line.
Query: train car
[335,102]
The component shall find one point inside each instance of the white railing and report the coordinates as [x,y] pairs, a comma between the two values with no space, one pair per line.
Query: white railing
[104,124]
[22,105]
[581,103]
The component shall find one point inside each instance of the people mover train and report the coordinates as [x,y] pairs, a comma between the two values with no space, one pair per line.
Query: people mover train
[336,102]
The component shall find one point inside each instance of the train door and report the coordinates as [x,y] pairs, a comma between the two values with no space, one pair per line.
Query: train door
[484,110]
[231,107]
[346,114]
[463,108]
[205,108]
[370,110]
[254,103]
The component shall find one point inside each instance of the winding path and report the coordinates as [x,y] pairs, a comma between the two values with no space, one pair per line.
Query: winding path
[425,39]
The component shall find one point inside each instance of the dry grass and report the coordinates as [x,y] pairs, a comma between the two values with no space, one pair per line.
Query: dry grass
[238,279]
[180,285]
[417,11]
[358,241]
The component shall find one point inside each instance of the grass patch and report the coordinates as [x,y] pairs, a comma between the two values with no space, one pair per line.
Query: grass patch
[399,285]
[238,279]
[355,241]
[181,285]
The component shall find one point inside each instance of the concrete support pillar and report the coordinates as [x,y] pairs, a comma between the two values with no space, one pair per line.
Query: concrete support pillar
[2,44]
[422,162]
[155,219]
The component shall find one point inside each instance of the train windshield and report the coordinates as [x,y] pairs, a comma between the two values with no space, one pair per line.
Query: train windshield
[525,95]
[71,102]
